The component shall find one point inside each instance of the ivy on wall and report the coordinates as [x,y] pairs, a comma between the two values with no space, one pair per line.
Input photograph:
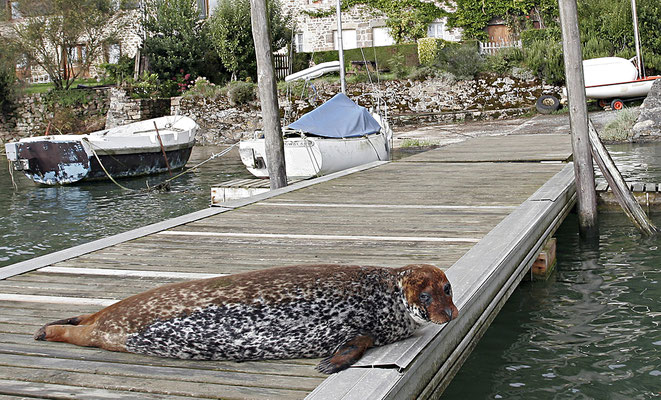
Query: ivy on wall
[474,15]
[407,19]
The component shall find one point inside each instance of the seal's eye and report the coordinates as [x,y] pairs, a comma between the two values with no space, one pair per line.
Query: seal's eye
[425,298]
[447,289]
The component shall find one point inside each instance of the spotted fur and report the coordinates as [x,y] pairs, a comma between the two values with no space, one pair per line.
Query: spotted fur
[289,312]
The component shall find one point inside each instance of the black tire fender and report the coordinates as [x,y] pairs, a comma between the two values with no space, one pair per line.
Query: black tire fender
[547,103]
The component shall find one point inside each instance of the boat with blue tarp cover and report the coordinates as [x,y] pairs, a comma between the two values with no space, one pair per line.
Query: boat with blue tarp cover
[337,135]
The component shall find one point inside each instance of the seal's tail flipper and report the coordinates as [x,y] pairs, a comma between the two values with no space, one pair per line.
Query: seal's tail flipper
[346,354]
[73,321]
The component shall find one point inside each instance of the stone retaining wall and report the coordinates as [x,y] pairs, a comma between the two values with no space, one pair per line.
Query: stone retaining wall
[409,102]
[431,101]
[32,114]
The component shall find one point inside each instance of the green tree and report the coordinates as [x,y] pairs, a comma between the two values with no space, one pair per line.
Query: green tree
[64,38]
[7,79]
[231,35]
[175,43]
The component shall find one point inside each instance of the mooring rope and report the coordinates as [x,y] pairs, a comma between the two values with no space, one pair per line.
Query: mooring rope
[11,174]
[166,183]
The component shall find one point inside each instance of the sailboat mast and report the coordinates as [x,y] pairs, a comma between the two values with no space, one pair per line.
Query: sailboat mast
[340,48]
[639,57]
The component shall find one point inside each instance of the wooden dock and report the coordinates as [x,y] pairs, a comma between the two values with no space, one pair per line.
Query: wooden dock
[483,207]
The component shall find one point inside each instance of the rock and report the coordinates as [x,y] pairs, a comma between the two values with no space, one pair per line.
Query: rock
[648,125]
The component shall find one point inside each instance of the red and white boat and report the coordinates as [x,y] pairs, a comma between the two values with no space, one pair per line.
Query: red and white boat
[613,80]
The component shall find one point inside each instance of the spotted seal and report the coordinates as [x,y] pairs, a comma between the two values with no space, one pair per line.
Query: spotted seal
[332,311]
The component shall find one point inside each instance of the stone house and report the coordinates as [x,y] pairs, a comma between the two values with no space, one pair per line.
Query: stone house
[361,26]
[127,43]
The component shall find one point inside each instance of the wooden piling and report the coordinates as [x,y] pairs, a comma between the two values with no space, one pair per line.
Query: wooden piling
[268,94]
[578,119]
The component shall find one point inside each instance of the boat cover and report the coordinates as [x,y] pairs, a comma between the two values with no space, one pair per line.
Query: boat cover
[339,117]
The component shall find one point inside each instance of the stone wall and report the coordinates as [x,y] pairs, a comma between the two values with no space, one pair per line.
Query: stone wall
[648,125]
[124,110]
[32,114]
[409,103]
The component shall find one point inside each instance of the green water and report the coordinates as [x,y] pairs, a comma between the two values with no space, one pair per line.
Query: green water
[593,331]
[36,220]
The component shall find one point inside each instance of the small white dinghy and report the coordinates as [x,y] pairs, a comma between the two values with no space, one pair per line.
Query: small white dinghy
[135,149]
[614,79]
[337,135]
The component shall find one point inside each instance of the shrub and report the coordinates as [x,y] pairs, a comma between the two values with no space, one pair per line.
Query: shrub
[202,88]
[383,55]
[620,128]
[121,71]
[429,49]
[422,72]
[504,61]
[147,86]
[463,60]
[239,92]
[545,59]
[7,82]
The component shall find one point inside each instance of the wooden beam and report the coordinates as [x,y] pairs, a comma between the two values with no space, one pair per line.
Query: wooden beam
[268,94]
[578,119]
[619,187]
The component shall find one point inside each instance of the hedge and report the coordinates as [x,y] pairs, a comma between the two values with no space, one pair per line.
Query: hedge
[383,55]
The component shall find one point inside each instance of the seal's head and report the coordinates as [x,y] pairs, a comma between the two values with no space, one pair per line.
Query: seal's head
[427,294]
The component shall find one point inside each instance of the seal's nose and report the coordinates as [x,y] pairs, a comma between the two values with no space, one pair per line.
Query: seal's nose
[448,312]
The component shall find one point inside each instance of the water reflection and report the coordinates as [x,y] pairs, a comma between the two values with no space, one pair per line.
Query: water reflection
[41,219]
[591,332]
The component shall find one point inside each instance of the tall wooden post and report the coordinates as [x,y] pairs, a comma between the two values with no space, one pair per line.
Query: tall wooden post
[268,94]
[340,47]
[578,119]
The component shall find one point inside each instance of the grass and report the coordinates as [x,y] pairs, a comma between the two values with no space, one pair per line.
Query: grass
[46,87]
[418,143]
[619,129]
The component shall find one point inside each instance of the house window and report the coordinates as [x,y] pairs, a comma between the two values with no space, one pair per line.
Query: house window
[10,10]
[349,40]
[381,36]
[203,9]
[436,30]
[113,52]
[298,42]
[211,6]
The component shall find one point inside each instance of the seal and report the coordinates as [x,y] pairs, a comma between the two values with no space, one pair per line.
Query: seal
[304,311]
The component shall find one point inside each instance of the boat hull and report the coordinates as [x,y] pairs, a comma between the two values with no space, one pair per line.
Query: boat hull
[621,90]
[310,156]
[130,150]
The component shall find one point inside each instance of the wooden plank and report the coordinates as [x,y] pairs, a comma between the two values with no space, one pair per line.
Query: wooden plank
[324,237]
[36,390]
[48,259]
[17,345]
[126,273]
[536,147]
[162,385]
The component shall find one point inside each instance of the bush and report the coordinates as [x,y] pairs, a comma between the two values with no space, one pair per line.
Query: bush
[463,60]
[385,56]
[429,49]
[504,61]
[202,88]
[545,59]
[120,72]
[620,129]
[239,92]
[7,83]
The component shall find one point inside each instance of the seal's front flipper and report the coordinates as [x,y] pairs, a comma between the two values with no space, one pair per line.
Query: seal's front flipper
[347,354]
